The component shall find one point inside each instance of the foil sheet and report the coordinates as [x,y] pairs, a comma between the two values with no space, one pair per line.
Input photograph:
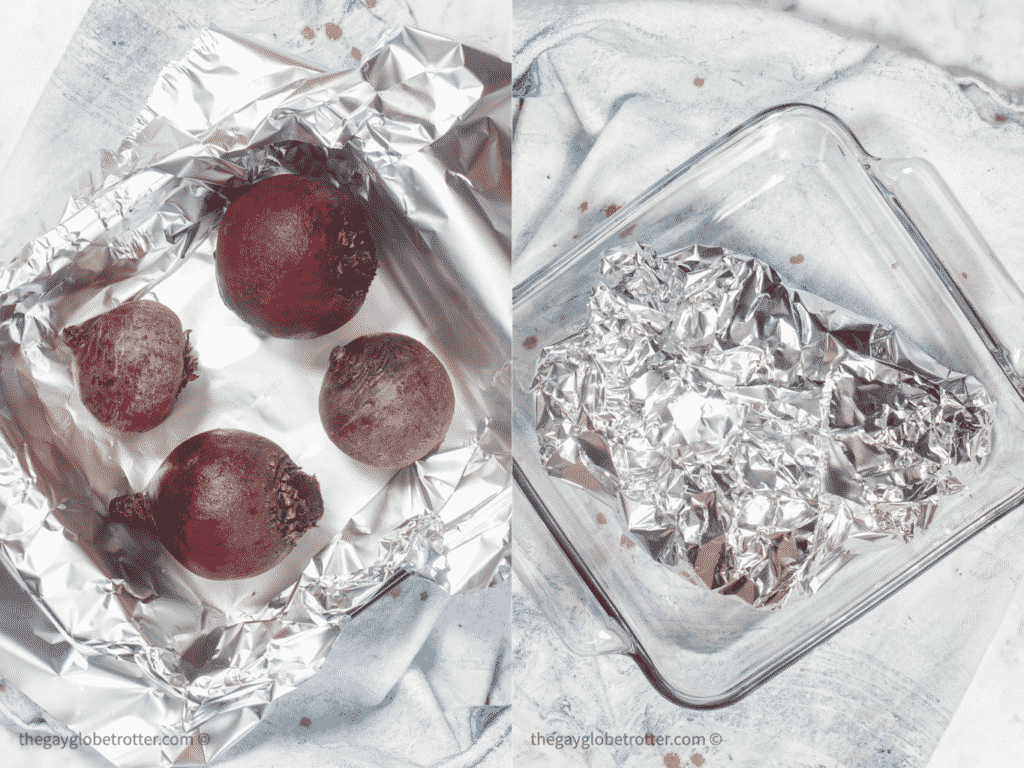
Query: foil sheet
[421,131]
[757,437]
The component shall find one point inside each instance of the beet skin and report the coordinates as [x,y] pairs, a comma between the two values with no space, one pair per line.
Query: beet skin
[227,504]
[386,400]
[295,258]
[132,362]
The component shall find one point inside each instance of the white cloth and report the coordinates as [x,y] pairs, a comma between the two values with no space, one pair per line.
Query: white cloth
[615,94]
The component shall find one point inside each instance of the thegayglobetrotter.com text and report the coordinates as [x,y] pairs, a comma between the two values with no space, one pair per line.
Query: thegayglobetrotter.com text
[601,739]
[76,740]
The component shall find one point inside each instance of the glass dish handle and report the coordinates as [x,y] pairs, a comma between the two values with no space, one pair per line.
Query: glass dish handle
[972,272]
[557,588]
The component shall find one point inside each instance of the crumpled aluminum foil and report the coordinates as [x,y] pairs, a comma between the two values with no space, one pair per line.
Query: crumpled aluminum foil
[421,131]
[757,437]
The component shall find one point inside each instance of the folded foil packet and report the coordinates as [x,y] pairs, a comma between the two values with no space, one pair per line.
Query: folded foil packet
[421,132]
[755,437]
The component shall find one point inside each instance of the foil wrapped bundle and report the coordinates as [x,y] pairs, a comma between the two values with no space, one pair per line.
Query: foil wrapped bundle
[420,131]
[756,437]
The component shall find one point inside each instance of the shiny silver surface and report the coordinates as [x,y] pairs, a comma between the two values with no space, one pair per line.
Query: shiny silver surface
[757,437]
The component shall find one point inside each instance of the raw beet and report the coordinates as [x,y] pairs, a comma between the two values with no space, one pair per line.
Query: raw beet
[227,504]
[295,257]
[132,362]
[386,400]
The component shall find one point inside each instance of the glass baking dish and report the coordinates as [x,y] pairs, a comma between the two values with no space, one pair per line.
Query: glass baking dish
[884,239]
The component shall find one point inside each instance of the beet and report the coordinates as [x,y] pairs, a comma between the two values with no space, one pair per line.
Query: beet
[132,362]
[295,258]
[227,504]
[386,400]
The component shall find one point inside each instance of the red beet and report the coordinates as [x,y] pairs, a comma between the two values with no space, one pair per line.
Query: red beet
[132,362]
[295,257]
[227,504]
[386,400]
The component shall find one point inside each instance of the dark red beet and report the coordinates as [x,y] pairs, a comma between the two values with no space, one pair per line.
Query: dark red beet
[227,504]
[386,400]
[295,257]
[132,362]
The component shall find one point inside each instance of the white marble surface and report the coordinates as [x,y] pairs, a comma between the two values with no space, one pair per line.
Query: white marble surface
[919,681]
[35,39]
[984,38]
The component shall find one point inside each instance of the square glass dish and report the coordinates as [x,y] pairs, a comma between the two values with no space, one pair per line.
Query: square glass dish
[884,239]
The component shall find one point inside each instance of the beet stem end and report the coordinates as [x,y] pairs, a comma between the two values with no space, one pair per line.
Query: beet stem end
[191,363]
[134,510]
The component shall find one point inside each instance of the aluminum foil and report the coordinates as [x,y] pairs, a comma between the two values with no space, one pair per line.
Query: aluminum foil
[757,437]
[421,131]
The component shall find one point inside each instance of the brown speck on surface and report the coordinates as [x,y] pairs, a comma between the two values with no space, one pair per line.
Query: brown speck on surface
[423,596]
[627,231]
[894,266]
[371,3]
[308,33]
[610,209]
[333,32]
[575,237]
[698,81]
[3,687]
[963,275]
[396,591]
[672,760]
[627,542]
[530,342]
[798,259]
[601,519]
[1001,118]
[554,245]
[697,759]
[583,206]
[305,722]
[357,54]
